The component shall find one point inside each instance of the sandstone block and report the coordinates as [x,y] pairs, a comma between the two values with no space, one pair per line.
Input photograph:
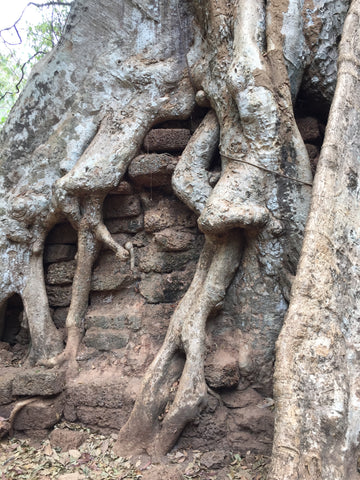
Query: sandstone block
[111,320]
[241,398]
[167,213]
[152,170]
[66,439]
[124,188]
[167,140]
[105,321]
[61,273]
[222,370]
[59,296]
[110,273]
[151,260]
[174,239]
[121,206]
[314,153]
[59,253]
[167,288]
[6,381]
[102,417]
[40,414]
[37,381]
[125,225]
[107,389]
[309,129]
[106,339]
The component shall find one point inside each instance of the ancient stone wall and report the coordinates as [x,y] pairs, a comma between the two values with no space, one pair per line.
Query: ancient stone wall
[129,309]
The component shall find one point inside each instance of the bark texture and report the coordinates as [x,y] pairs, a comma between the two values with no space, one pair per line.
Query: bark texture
[317,375]
[126,66]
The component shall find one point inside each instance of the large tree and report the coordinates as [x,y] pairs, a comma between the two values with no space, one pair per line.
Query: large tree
[124,66]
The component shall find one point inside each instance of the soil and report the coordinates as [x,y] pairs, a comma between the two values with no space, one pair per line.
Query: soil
[74,453]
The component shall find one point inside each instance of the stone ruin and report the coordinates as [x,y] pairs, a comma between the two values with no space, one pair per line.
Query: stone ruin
[129,311]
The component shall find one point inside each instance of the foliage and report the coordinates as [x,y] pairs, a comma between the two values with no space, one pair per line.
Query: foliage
[39,39]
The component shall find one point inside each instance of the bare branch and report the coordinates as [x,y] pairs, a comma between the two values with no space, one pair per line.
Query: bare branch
[38,5]
[17,86]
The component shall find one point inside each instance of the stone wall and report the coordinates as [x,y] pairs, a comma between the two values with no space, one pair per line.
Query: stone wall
[129,311]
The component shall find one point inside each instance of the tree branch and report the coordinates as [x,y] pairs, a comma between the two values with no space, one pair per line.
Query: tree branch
[38,5]
[17,86]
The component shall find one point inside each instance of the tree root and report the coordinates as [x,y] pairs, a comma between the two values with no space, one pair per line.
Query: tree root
[156,420]
[6,424]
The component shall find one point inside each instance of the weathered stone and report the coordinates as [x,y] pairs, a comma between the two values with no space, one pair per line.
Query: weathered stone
[222,370]
[102,389]
[110,273]
[312,150]
[165,262]
[38,381]
[214,459]
[152,170]
[66,439]
[62,233]
[102,417]
[61,273]
[314,154]
[167,213]
[309,129]
[59,296]
[59,253]
[40,414]
[241,398]
[6,357]
[6,381]
[59,316]
[121,206]
[112,320]
[105,321]
[174,239]
[167,288]
[125,225]
[166,140]
[106,339]
[124,188]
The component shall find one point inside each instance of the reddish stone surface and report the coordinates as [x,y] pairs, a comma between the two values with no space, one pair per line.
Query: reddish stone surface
[152,170]
[38,381]
[59,253]
[66,439]
[121,206]
[309,129]
[166,140]
[41,414]
[167,213]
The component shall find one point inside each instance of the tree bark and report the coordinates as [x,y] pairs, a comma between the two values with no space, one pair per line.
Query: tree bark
[317,376]
[125,66]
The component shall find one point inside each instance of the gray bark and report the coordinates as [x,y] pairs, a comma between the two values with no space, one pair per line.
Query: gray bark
[123,67]
[317,374]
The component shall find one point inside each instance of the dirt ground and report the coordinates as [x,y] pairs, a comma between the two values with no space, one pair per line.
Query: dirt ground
[74,453]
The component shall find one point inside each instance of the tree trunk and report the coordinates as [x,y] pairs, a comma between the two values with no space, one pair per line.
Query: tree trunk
[317,376]
[125,66]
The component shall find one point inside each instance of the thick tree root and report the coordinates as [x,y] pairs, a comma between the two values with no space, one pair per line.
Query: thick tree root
[157,420]
[6,424]
[45,339]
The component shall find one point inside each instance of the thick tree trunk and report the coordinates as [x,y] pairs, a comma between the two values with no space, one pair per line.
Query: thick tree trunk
[317,380]
[125,66]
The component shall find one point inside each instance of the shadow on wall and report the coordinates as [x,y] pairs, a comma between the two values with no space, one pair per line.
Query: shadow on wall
[13,324]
